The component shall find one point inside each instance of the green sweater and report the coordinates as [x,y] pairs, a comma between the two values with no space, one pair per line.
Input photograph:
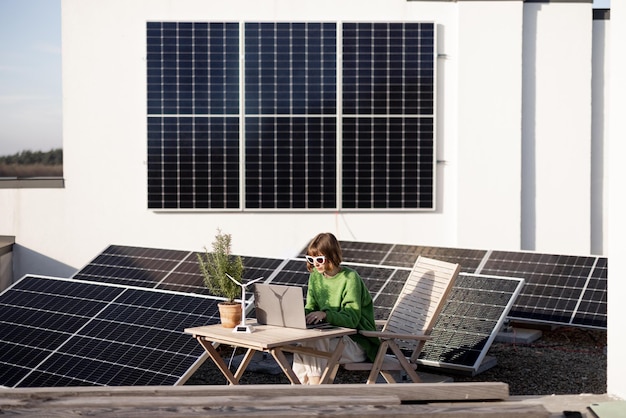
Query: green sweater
[347,303]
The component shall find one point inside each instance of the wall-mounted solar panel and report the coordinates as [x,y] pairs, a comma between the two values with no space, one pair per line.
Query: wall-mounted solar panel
[66,332]
[557,286]
[469,322]
[388,115]
[290,115]
[235,109]
[193,115]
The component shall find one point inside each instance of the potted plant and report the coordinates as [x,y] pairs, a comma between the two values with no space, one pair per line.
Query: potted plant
[214,266]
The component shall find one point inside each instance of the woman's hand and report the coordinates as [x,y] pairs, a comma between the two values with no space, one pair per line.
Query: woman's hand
[315,317]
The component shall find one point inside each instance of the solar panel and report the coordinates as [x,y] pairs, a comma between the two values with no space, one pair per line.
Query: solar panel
[469,322]
[162,269]
[132,266]
[65,332]
[469,259]
[387,80]
[193,69]
[556,286]
[292,272]
[258,99]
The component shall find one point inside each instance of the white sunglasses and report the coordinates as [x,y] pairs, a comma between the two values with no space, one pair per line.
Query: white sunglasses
[320,259]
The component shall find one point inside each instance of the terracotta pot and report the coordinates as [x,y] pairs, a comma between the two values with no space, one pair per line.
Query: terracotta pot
[230,314]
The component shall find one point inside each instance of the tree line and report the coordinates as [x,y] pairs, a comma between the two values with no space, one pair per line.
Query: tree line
[27,164]
[52,157]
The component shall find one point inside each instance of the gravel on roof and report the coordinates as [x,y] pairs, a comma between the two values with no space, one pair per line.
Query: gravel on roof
[565,360]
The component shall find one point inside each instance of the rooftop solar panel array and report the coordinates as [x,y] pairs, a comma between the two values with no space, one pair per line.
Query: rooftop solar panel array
[119,320]
[559,289]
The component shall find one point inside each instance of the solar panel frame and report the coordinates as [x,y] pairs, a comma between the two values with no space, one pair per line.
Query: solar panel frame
[592,307]
[469,322]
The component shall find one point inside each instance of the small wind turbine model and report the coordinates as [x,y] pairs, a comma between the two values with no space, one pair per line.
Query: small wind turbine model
[243,327]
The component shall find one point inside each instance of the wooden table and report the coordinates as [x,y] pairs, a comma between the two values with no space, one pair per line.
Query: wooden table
[273,340]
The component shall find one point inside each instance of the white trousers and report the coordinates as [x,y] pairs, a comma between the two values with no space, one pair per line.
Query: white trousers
[305,366]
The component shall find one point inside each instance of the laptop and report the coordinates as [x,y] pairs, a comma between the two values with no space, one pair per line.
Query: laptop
[282,306]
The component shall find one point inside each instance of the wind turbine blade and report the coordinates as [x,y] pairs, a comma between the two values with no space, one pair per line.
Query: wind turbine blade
[254,281]
[231,278]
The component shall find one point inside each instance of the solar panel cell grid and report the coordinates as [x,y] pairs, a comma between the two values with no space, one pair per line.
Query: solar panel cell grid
[293,272]
[469,321]
[405,255]
[360,252]
[132,266]
[469,259]
[99,334]
[290,73]
[554,283]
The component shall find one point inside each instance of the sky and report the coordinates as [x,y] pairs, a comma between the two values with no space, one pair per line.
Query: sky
[30,75]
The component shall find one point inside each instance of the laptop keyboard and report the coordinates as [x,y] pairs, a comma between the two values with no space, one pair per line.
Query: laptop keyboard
[323,325]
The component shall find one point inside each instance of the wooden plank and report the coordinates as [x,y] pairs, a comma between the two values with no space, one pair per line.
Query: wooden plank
[349,400]
[202,401]
[406,392]
[498,410]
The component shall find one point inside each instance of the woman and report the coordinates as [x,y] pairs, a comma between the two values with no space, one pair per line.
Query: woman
[336,295]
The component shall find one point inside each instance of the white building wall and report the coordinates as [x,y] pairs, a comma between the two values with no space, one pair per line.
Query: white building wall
[482,71]
[489,118]
[616,384]
[557,127]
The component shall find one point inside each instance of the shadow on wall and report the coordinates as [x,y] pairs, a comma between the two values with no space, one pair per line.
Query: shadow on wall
[27,261]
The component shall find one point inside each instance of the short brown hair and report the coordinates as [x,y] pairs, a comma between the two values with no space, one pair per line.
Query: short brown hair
[327,245]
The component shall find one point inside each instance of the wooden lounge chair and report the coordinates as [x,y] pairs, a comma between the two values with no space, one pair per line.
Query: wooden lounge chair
[411,320]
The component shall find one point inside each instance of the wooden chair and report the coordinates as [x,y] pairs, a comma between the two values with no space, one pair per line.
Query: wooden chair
[411,320]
